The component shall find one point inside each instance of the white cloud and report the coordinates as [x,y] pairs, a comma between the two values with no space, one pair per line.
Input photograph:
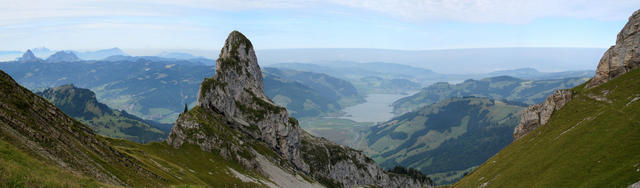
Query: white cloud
[501,11]
[480,11]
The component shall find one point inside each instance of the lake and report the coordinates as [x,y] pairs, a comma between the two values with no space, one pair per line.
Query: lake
[377,108]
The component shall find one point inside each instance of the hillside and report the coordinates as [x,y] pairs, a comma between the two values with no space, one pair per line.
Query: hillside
[37,128]
[592,141]
[82,105]
[499,88]
[445,139]
[585,137]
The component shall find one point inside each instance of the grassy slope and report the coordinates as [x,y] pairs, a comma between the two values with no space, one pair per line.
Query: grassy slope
[185,166]
[18,169]
[588,143]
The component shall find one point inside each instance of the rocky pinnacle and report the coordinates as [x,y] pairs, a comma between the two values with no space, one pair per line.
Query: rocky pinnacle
[236,91]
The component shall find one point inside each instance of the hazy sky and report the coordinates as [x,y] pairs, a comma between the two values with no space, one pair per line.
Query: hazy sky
[275,24]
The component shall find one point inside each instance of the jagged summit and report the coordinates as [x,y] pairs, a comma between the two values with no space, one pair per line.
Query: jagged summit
[238,65]
[63,56]
[28,57]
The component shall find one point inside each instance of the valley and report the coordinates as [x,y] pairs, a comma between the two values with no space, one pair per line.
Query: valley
[311,94]
[348,109]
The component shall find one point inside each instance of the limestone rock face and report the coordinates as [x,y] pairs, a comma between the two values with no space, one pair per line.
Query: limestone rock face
[347,167]
[537,115]
[621,57]
[237,92]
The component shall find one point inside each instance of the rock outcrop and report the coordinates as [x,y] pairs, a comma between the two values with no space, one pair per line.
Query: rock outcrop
[335,164]
[623,56]
[237,92]
[617,60]
[234,118]
[537,115]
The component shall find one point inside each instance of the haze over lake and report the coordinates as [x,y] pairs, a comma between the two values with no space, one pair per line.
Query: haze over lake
[377,108]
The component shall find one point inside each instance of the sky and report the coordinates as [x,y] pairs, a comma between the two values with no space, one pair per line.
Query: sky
[145,26]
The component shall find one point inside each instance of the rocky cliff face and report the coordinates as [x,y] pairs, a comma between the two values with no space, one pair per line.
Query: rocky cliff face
[537,115]
[338,165]
[237,92]
[621,57]
[234,118]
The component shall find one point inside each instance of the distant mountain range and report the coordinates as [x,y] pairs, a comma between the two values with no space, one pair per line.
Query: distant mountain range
[499,88]
[450,61]
[112,54]
[398,78]
[158,88]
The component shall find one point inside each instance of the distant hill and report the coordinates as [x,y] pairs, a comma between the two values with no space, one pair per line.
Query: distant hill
[82,105]
[446,139]
[177,55]
[372,77]
[533,74]
[63,56]
[308,94]
[499,88]
[99,54]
